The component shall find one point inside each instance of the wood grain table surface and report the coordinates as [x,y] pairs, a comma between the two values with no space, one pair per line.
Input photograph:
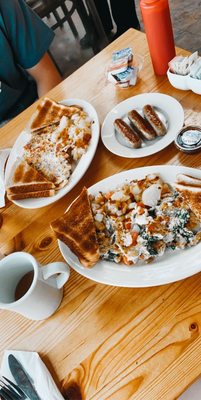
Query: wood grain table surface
[115,343]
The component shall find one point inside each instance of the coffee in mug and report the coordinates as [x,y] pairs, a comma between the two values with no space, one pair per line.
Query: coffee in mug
[23,285]
[28,288]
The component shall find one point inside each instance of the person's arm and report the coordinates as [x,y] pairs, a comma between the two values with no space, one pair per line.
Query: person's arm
[45,74]
[30,38]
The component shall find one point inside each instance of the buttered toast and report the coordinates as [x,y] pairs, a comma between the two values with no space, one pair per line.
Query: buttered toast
[26,179]
[76,229]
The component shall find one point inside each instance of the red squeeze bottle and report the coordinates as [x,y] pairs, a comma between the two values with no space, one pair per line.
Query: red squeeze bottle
[158,28]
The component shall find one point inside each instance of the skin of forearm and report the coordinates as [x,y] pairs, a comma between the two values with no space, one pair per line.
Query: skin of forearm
[47,82]
[45,74]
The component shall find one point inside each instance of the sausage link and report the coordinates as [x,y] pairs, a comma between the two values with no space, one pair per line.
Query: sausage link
[127,134]
[152,117]
[141,125]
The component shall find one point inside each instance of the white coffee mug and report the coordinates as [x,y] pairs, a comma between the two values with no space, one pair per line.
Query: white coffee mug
[45,291]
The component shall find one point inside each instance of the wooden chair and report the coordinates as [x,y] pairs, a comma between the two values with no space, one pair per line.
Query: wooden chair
[44,8]
[86,11]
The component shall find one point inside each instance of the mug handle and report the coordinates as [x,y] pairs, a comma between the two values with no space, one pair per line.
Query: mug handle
[55,268]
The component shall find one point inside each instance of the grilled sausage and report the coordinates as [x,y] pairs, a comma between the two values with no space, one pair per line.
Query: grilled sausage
[127,135]
[141,125]
[154,120]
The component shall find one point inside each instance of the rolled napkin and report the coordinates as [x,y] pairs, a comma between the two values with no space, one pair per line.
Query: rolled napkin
[36,369]
[4,153]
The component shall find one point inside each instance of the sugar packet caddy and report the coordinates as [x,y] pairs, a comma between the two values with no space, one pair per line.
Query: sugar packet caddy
[124,68]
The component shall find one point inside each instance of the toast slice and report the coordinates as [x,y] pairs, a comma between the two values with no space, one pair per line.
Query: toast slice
[192,200]
[76,229]
[26,179]
[187,180]
[50,112]
[190,189]
[46,130]
[29,195]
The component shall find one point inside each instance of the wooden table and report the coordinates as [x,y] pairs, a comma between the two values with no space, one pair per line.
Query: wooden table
[116,343]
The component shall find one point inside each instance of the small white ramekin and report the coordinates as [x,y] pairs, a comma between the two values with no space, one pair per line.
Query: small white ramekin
[194,84]
[178,81]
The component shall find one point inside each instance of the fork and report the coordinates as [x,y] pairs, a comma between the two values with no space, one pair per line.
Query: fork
[10,391]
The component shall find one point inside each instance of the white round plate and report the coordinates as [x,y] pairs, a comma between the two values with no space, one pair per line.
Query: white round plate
[170,108]
[80,169]
[171,267]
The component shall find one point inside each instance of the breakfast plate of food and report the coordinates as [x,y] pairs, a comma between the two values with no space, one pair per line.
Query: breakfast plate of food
[145,230]
[142,125]
[52,153]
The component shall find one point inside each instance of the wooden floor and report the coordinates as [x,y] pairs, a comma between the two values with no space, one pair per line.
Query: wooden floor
[186,17]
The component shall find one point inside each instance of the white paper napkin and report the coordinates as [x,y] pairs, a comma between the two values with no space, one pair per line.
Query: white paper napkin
[4,153]
[193,392]
[34,366]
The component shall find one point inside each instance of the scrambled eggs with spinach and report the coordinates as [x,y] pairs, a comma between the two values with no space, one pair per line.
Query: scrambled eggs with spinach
[141,220]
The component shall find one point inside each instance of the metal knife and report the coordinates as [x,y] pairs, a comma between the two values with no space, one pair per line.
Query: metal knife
[22,378]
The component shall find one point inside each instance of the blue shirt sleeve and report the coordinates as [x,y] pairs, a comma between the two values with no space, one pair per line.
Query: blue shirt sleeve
[29,37]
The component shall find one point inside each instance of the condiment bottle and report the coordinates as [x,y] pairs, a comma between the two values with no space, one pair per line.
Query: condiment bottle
[158,28]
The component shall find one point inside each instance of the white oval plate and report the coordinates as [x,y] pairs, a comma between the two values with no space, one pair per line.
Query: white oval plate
[171,109]
[80,169]
[171,267]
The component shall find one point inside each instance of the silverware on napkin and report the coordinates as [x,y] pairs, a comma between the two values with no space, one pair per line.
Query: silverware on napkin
[8,390]
[22,378]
